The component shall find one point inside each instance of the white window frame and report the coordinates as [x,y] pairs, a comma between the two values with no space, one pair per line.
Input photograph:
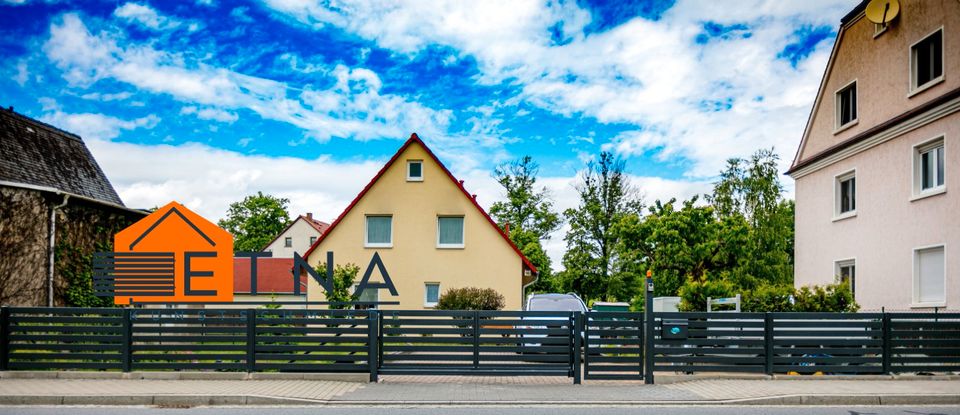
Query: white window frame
[837,115]
[837,215]
[414,179]
[312,240]
[462,243]
[880,28]
[288,242]
[915,300]
[376,293]
[917,151]
[426,302]
[846,262]
[914,88]
[366,233]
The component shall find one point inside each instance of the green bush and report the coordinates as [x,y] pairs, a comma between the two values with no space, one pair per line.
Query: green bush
[825,298]
[693,294]
[768,298]
[470,298]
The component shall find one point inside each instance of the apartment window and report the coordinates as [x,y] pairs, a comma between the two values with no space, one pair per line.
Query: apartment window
[288,242]
[450,232]
[414,170]
[313,240]
[847,105]
[846,271]
[928,163]
[431,294]
[846,195]
[369,295]
[379,232]
[929,282]
[926,60]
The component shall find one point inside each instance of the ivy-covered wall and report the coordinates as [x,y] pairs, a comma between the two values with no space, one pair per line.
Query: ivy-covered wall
[83,228]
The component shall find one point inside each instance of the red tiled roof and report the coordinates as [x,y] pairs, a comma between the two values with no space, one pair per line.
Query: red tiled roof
[416,139]
[274,276]
[315,224]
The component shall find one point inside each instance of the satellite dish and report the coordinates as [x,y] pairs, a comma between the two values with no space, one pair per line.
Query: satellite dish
[882,11]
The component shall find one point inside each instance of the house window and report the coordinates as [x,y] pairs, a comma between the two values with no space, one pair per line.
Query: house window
[431,294]
[313,240]
[928,276]
[414,170]
[928,167]
[926,58]
[846,195]
[288,242]
[846,271]
[847,105]
[371,295]
[450,232]
[379,232]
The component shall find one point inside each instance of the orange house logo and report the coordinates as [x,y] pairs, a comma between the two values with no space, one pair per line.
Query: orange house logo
[171,256]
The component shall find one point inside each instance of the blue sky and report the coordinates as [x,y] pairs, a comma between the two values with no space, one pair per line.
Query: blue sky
[207,101]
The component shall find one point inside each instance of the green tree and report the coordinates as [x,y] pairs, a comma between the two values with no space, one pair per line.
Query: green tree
[529,213]
[750,190]
[343,278]
[606,196]
[255,221]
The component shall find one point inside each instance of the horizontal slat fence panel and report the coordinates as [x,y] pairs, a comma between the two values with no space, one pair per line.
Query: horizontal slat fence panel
[189,339]
[64,338]
[715,342]
[476,342]
[830,343]
[928,342]
[313,340]
[613,345]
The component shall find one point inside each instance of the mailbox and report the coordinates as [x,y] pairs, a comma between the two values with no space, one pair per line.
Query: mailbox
[673,330]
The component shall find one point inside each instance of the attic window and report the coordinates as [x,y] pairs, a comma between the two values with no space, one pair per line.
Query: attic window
[926,66]
[414,170]
[847,106]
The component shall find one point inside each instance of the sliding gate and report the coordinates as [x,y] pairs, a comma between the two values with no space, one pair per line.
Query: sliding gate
[503,343]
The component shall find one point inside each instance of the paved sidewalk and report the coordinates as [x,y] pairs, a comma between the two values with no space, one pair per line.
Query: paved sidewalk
[474,391]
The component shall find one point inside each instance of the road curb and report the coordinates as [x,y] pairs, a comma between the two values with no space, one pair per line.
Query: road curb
[239,400]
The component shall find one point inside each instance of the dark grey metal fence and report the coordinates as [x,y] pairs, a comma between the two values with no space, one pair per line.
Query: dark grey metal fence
[605,345]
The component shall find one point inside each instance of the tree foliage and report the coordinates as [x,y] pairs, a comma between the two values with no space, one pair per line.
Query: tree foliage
[529,213]
[255,221]
[343,279]
[591,261]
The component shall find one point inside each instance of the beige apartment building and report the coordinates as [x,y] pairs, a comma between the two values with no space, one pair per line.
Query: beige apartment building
[877,177]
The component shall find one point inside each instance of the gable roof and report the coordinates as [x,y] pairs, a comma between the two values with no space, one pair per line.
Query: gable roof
[415,139]
[317,225]
[38,154]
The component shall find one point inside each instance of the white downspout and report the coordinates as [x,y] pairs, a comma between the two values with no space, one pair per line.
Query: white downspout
[52,248]
[523,291]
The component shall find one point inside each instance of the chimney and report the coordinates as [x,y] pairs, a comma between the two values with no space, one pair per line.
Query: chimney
[310,215]
[506,228]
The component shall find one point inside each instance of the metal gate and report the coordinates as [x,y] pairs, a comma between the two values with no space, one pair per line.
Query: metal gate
[613,345]
[503,343]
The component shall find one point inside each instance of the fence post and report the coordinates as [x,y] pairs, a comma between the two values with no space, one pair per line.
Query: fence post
[373,344]
[887,347]
[251,339]
[768,343]
[476,339]
[577,341]
[4,338]
[126,346]
[648,339]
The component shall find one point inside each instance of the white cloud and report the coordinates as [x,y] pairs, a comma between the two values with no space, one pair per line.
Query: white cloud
[352,108]
[146,16]
[212,114]
[651,74]
[97,125]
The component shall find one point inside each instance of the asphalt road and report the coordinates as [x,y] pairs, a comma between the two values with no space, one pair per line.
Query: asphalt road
[457,410]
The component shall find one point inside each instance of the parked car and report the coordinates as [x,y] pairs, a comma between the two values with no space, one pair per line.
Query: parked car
[569,302]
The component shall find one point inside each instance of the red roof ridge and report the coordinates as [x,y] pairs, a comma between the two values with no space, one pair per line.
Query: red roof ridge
[414,138]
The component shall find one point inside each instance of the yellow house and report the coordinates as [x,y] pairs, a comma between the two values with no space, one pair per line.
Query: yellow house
[429,232]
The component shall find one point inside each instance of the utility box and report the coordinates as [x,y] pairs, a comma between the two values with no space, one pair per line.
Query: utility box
[608,306]
[673,330]
[666,304]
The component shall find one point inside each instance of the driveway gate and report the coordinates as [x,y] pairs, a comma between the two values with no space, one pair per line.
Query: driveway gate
[506,343]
